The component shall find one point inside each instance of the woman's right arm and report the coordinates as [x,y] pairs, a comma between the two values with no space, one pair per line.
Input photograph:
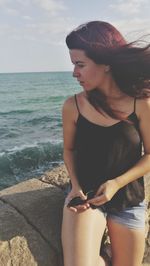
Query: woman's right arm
[69,131]
[69,116]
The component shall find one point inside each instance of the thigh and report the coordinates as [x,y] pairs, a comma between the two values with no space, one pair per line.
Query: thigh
[127,244]
[81,236]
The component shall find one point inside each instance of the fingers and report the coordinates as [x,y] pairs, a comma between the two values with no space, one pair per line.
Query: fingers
[100,191]
[67,200]
[82,196]
[77,208]
[98,200]
[80,208]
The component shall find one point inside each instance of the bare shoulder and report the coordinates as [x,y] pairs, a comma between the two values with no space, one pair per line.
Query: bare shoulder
[69,104]
[69,110]
[143,107]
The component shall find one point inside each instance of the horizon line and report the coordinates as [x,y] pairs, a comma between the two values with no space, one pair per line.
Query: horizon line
[27,72]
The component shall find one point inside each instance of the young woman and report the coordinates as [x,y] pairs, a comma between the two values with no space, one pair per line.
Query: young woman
[105,127]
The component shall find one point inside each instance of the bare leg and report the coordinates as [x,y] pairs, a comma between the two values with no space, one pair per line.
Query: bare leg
[81,237]
[127,244]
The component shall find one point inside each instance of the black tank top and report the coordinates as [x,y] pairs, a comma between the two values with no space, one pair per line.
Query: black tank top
[103,153]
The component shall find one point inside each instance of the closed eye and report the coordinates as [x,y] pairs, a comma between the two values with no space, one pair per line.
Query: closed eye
[79,65]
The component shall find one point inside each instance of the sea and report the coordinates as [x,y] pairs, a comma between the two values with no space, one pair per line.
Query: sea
[31,137]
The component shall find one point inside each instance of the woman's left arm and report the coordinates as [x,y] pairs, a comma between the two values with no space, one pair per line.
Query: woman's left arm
[107,190]
[142,167]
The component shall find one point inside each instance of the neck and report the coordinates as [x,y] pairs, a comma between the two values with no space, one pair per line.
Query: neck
[110,89]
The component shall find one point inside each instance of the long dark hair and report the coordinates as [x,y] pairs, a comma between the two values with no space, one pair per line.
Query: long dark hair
[129,62]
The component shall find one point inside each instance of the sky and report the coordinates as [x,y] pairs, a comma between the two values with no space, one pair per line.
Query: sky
[32,32]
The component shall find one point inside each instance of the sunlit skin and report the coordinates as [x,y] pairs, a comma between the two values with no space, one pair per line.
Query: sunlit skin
[91,75]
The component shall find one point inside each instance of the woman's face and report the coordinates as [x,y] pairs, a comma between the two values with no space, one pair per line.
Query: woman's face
[88,73]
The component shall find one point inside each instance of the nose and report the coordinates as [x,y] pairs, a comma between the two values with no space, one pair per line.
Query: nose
[75,73]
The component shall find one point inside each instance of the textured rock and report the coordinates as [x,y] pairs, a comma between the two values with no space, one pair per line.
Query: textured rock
[57,177]
[147,241]
[30,223]
[20,244]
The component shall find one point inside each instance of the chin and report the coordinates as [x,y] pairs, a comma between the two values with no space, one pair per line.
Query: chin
[87,89]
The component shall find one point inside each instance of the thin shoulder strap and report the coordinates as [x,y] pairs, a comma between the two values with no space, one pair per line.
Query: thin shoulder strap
[76,103]
[134,104]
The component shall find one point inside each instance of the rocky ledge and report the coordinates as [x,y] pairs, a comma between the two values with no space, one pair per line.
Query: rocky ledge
[30,221]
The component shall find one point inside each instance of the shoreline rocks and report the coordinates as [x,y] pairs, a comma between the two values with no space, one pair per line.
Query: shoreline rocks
[30,221]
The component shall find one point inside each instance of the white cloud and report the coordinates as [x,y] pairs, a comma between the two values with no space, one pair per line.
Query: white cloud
[33,26]
[27,18]
[16,6]
[134,28]
[7,30]
[129,7]
[51,32]
[50,5]
[3,2]
[11,11]
[23,3]
[60,26]
[9,7]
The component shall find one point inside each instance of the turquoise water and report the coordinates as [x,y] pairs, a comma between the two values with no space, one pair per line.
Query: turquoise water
[31,123]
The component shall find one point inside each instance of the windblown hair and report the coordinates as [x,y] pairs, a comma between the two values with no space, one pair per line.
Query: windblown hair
[129,62]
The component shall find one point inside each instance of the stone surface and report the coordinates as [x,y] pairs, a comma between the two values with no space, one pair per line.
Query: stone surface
[57,177]
[20,243]
[30,224]
[147,241]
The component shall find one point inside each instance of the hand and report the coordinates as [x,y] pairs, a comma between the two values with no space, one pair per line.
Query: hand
[77,192]
[105,192]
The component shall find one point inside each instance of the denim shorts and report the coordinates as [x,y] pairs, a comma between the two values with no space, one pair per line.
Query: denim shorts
[132,217]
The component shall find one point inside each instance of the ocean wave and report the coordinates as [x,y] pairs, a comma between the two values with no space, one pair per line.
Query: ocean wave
[2,154]
[39,120]
[54,120]
[36,145]
[17,112]
[56,98]
[25,160]
[10,135]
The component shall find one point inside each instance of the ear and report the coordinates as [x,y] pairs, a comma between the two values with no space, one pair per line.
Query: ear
[107,68]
